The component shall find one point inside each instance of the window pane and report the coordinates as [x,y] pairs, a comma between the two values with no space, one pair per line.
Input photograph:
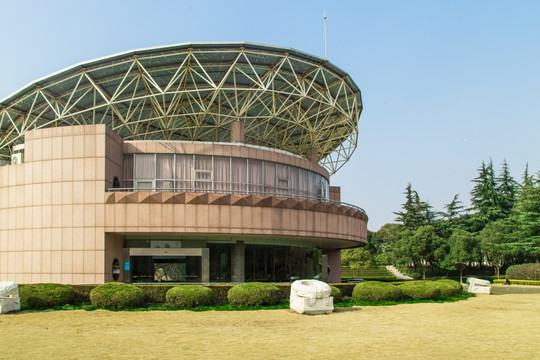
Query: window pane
[239,174]
[302,183]
[222,173]
[203,162]
[311,184]
[144,166]
[255,176]
[144,185]
[184,171]
[319,192]
[283,179]
[293,181]
[164,167]
[164,184]
[270,177]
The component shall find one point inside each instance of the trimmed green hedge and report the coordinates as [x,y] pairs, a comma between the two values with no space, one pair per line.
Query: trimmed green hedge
[524,272]
[190,296]
[517,282]
[421,290]
[254,294]
[448,287]
[336,294]
[37,296]
[117,296]
[377,291]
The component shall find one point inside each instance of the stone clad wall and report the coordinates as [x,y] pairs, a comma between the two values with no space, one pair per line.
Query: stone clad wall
[51,208]
[57,221]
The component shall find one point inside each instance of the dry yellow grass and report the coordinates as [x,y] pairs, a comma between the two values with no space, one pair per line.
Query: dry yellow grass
[488,327]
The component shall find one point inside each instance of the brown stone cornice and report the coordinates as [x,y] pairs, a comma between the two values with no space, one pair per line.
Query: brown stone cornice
[233,200]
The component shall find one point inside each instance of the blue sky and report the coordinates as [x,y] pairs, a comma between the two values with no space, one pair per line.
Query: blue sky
[445,84]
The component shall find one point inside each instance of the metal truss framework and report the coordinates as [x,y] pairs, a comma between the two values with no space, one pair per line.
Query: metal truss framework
[287,99]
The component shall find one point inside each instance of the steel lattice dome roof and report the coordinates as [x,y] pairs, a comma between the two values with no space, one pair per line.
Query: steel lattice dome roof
[288,100]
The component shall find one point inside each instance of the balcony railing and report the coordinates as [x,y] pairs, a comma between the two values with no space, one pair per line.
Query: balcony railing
[239,192]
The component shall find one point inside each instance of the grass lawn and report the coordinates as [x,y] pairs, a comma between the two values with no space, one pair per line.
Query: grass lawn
[486,326]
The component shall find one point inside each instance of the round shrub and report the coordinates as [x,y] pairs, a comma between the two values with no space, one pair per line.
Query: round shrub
[376,291]
[190,296]
[421,290]
[448,287]
[524,272]
[117,296]
[254,294]
[336,294]
[46,295]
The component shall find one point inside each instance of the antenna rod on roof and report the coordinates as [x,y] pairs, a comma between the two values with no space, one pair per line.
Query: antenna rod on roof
[325,57]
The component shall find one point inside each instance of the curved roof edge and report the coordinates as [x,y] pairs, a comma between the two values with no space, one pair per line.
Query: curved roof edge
[225,44]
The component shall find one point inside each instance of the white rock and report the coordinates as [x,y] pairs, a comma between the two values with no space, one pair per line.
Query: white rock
[478,286]
[311,297]
[9,297]
[404,277]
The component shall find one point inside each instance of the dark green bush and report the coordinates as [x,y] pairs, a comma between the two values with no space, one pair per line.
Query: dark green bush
[336,293]
[46,295]
[377,291]
[254,294]
[524,272]
[155,294]
[421,290]
[346,289]
[117,296]
[190,296]
[448,287]
[82,294]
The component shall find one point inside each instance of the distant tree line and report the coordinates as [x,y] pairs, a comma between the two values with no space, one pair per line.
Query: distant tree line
[501,228]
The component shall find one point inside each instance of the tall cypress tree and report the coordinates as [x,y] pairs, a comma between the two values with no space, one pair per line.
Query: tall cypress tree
[484,195]
[506,188]
[415,212]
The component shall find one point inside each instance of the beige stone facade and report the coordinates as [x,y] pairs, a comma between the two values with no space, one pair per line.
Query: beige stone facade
[62,221]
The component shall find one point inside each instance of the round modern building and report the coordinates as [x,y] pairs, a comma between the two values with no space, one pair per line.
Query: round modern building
[196,162]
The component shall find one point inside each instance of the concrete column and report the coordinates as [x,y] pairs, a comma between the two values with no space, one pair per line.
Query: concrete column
[125,273]
[312,154]
[205,265]
[238,262]
[324,263]
[237,131]
[335,193]
[334,261]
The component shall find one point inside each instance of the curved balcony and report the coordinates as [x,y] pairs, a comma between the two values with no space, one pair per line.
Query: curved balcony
[328,224]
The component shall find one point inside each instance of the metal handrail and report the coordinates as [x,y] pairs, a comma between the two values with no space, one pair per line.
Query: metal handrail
[237,192]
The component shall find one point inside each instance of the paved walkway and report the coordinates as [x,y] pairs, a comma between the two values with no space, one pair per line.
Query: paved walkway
[499,289]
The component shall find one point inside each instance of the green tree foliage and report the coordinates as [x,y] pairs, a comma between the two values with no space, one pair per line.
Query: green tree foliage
[385,239]
[484,197]
[415,212]
[462,251]
[507,189]
[496,243]
[423,248]
[502,226]
[454,209]
[357,257]
[526,217]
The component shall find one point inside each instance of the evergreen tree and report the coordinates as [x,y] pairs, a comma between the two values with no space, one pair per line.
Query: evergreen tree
[527,180]
[484,197]
[506,190]
[415,212]
[526,216]
[454,209]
